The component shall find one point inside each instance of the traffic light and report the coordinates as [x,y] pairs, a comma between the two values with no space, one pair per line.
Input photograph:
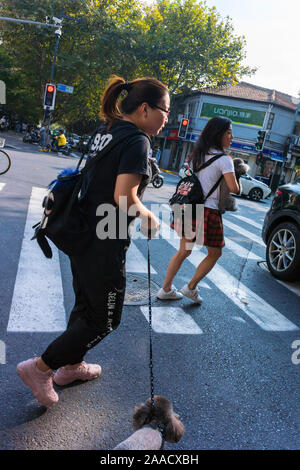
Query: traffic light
[259,158]
[183,127]
[261,137]
[49,97]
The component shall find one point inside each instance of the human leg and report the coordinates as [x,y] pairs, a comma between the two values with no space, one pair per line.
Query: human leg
[214,253]
[176,261]
[102,279]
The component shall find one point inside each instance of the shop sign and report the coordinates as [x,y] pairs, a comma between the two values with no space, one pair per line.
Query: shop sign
[173,134]
[251,117]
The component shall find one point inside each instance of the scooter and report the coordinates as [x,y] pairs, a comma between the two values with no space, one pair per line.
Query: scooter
[65,149]
[157,179]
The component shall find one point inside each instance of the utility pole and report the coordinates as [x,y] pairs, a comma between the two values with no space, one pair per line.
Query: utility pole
[57,24]
[289,142]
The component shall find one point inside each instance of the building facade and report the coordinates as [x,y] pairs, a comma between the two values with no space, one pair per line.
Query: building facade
[251,108]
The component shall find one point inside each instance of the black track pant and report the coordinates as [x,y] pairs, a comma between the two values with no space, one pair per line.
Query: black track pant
[99,284]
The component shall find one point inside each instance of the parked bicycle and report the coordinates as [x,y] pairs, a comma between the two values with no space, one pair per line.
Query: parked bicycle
[5,161]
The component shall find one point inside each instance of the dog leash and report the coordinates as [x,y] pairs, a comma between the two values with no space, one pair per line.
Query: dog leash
[159,425]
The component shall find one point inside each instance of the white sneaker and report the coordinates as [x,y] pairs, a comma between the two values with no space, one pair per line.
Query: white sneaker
[192,294]
[173,294]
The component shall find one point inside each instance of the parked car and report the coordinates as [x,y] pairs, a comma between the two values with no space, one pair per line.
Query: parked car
[281,233]
[254,189]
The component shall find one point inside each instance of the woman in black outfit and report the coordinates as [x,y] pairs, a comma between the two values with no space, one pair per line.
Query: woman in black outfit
[99,272]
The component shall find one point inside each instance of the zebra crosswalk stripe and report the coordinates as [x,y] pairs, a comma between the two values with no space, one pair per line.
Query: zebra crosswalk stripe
[243,231]
[171,320]
[135,261]
[37,303]
[240,250]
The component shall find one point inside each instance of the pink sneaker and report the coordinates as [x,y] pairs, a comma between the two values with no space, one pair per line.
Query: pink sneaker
[83,372]
[41,383]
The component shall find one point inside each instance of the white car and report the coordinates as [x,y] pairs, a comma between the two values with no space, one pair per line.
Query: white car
[256,190]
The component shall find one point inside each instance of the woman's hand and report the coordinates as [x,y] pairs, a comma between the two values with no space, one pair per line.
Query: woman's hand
[150,226]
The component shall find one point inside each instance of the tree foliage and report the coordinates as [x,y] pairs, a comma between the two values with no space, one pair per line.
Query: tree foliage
[183,43]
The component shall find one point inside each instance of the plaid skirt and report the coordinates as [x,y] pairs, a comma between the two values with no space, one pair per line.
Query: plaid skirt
[207,230]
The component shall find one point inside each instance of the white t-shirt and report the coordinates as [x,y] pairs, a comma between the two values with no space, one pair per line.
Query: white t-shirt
[210,175]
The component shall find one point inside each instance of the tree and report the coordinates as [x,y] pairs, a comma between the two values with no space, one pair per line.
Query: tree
[183,43]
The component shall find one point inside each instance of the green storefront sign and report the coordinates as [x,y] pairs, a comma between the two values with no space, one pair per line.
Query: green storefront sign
[239,115]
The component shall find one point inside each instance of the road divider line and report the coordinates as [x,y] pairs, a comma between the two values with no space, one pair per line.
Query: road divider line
[262,313]
[171,320]
[37,303]
[2,186]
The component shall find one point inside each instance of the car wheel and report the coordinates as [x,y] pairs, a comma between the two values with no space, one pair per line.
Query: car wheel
[283,252]
[256,194]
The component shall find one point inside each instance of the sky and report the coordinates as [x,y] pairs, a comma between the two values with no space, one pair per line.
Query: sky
[270,28]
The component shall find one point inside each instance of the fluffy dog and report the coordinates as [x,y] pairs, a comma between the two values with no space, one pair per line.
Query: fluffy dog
[147,420]
[226,201]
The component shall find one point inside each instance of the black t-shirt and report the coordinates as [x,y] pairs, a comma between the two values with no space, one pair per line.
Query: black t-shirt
[130,156]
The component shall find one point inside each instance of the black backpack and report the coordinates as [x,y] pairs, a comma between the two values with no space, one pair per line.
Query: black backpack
[63,221]
[189,190]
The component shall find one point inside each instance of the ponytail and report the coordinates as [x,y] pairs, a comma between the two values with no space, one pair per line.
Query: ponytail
[138,91]
[110,110]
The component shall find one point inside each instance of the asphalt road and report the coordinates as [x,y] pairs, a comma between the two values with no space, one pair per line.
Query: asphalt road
[226,366]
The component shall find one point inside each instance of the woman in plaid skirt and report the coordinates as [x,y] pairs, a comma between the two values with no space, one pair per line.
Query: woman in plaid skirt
[214,139]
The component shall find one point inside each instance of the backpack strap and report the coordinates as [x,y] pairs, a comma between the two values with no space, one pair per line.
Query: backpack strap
[205,165]
[213,188]
[210,161]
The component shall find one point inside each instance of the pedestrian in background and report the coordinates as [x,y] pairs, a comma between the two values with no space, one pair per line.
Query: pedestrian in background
[43,136]
[99,272]
[215,138]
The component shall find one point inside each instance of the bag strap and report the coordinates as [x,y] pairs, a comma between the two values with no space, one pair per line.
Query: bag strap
[114,142]
[210,161]
[205,165]
[213,188]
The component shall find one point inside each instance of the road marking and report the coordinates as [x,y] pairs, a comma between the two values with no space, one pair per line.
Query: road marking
[248,221]
[240,250]
[136,262]
[38,303]
[244,232]
[172,320]
[262,313]
[253,205]
[2,186]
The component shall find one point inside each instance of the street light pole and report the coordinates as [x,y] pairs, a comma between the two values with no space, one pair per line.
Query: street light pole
[288,148]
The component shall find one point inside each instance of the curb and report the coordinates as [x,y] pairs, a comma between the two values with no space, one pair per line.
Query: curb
[168,171]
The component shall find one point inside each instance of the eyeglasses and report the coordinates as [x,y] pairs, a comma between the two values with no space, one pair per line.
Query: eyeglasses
[167,111]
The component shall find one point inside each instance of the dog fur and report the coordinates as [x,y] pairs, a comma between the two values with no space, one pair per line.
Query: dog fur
[226,201]
[146,420]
